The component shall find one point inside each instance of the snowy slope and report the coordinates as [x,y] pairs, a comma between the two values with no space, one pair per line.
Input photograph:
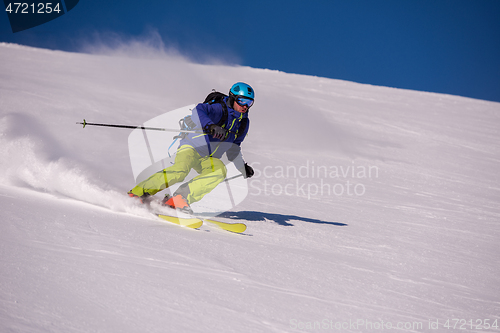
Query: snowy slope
[371,207]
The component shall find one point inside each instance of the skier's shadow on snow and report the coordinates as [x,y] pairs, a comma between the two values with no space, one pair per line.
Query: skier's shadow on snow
[277,218]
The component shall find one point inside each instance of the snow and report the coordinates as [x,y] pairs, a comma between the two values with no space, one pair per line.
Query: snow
[371,207]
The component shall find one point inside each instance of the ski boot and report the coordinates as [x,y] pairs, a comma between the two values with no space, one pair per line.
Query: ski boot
[177,202]
[143,199]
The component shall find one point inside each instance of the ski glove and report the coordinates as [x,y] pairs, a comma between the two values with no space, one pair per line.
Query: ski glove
[217,132]
[248,171]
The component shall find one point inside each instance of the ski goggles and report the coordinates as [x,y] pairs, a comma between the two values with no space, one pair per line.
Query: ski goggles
[242,101]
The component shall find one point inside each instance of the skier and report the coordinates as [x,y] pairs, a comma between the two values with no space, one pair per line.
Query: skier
[202,152]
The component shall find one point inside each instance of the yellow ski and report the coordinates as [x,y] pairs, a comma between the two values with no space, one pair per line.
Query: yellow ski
[233,227]
[193,223]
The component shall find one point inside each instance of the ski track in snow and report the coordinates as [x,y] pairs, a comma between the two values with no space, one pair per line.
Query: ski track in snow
[419,244]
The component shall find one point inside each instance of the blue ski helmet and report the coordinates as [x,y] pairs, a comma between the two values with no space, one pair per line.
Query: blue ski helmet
[242,89]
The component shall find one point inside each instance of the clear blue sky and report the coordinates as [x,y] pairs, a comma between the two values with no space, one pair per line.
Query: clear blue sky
[446,46]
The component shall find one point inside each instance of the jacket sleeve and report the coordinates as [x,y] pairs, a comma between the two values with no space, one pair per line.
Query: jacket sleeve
[233,152]
[207,114]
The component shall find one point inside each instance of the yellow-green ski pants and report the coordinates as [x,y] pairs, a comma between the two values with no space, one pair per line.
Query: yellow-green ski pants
[211,173]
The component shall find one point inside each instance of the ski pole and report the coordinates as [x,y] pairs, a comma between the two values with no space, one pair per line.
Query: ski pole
[233,177]
[85,123]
